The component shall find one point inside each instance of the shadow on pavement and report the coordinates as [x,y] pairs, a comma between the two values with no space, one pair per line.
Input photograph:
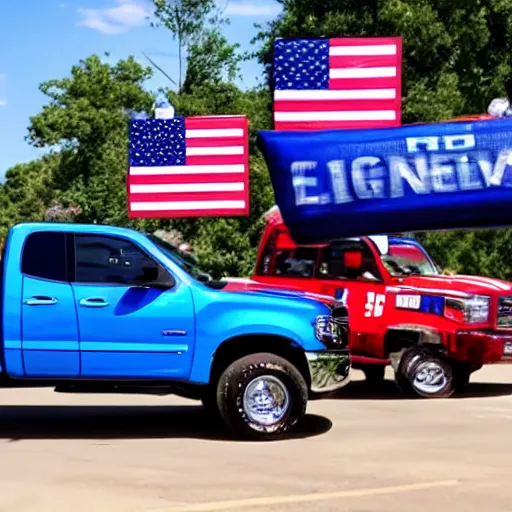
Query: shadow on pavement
[126,422]
[485,389]
[387,390]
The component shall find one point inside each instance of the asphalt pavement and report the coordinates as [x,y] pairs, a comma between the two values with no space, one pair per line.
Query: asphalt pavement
[366,450]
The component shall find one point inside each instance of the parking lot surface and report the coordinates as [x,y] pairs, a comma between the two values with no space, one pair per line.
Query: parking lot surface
[366,450]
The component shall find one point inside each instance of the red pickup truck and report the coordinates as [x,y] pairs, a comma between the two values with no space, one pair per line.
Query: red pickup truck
[434,329]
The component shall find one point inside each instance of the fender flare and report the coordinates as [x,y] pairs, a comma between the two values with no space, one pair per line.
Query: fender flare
[426,335]
[417,335]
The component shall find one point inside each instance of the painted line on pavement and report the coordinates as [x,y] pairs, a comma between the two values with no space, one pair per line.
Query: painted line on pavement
[217,506]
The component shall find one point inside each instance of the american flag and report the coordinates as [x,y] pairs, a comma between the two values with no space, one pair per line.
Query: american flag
[188,167]
[337,83]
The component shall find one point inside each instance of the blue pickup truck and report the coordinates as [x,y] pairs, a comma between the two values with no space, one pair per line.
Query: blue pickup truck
[91,308]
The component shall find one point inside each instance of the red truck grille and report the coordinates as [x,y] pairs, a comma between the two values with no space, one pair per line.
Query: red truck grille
[504,312]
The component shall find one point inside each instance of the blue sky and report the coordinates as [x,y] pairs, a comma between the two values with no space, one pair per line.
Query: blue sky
[42,39]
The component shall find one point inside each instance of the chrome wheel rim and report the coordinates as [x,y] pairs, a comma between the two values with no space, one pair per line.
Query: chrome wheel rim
[430,378]
[266,400]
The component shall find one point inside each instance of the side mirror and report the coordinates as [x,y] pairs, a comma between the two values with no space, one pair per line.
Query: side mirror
[204,277]
[353,259]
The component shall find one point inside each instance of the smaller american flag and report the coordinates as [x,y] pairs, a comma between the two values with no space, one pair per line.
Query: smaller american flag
[189,167]
[337,83]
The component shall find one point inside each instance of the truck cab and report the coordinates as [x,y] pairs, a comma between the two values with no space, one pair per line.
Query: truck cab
[434,329]
[91,307]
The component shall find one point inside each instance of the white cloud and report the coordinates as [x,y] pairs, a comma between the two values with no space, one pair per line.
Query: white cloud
[251,8]
[127,14]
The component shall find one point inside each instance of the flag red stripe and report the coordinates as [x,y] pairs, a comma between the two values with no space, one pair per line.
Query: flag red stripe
[362,61]
[364,83]
[187,178]
[161,214]
[188,196]
[215,160]
[364,41]
[214,123]
[333,105]
[333,125]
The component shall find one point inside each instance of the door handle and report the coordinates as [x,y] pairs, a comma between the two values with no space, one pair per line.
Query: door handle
[40,301]
[93,302]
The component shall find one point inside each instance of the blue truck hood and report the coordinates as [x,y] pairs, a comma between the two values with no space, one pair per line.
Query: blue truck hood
[248,286]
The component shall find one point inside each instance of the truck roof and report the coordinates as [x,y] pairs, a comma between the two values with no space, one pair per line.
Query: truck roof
[28,227]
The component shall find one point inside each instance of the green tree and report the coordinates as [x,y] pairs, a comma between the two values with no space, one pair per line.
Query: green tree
[186,20]
[211,60]
[481,252]
[87,117]
[27,191]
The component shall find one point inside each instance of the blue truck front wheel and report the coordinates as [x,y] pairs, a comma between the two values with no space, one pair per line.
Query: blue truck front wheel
[261,396]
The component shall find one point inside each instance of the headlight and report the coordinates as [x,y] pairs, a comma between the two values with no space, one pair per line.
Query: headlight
[471,310]
[326,330]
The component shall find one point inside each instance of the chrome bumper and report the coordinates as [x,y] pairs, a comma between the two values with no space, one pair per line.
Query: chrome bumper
[329,370]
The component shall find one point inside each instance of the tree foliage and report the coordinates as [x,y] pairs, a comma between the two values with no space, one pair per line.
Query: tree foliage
[457,57]
[87,117]
[186,20]
[211,60]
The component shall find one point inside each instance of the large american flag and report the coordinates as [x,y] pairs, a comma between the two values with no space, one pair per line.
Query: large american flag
[188,167]
[337,83]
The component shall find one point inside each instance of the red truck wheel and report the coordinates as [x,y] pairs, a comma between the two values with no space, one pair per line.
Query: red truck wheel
[424,373]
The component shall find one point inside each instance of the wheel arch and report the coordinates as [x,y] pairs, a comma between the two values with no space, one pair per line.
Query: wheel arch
[239,346]
[401,336]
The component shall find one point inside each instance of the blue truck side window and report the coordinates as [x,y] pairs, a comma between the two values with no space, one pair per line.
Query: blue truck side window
[44,256]
[110,260]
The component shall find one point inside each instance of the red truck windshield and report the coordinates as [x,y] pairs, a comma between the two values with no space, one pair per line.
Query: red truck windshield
[403,259]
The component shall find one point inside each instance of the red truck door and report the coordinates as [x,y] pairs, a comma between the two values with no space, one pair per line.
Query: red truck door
[350,265]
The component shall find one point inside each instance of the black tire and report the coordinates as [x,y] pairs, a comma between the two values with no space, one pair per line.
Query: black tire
[374,373]
[234,382]
[413,367]
[401,379]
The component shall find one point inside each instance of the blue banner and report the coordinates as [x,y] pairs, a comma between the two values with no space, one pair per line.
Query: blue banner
[338,183]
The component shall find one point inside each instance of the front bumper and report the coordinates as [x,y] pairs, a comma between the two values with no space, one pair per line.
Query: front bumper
[329,370]
[483,347]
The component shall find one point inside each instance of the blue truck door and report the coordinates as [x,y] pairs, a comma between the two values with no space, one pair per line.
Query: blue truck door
[127,330]
[48,314]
